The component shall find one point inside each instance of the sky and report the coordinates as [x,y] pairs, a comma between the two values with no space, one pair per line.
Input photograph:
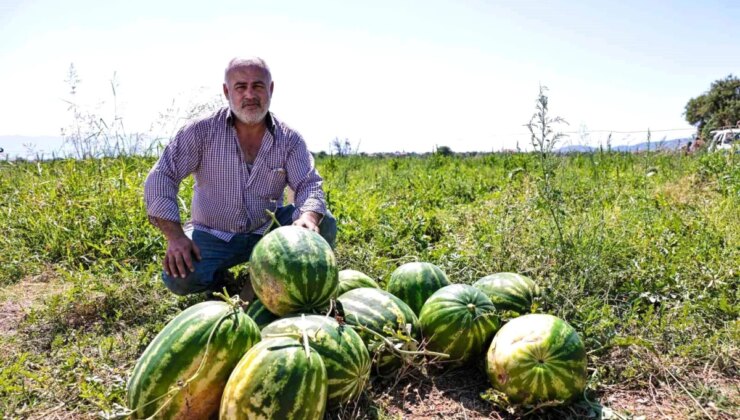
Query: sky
[387,75]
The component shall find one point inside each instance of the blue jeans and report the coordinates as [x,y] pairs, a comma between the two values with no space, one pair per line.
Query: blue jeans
[217,255]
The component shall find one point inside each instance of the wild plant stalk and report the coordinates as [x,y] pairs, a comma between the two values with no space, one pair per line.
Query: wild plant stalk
[93,135]
[544,138]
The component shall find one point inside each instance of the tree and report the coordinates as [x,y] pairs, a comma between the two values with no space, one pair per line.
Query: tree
[718,107]
[444,151]
[343,147]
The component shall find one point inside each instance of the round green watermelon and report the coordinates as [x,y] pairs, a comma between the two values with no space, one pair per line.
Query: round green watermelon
[458,320]
[414,282]
[385,314]
[537,358]
[344,353]
[261,316]
[509,291]
[175,355]
[352,279]
[293,270]
[276,379]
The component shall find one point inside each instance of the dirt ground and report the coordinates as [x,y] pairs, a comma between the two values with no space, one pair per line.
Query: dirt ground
[454,393]
[16,300]
[457,394]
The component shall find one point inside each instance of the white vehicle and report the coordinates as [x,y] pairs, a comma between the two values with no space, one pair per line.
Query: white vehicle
[724,139]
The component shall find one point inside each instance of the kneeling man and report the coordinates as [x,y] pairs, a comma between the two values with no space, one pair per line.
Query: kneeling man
[242,158]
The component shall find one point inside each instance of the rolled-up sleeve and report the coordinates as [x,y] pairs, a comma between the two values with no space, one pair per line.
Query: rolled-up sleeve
[179,159]
[304,179]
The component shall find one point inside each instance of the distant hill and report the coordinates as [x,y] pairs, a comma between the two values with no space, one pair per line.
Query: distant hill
[659,145]
[639,147]
[14,146]
[576,148]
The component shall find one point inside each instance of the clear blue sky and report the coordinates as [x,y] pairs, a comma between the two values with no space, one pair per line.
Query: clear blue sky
[393,75]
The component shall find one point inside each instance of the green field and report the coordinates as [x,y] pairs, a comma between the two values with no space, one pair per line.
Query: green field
[639,252]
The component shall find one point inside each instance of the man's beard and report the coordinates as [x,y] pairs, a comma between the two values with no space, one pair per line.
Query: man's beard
[250,117]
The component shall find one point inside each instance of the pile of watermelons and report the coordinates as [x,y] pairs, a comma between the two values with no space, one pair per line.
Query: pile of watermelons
[312,340]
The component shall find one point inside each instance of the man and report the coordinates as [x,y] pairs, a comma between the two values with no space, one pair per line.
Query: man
[242,157]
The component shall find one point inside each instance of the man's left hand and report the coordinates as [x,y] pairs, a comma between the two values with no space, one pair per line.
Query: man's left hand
[309,220]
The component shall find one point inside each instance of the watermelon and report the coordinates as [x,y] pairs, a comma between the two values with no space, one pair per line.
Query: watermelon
[277,379]
[293,270]
[261,316]
[175,355]
[458,320]
[537,358]
[352,279]
[379,311]
[414,282]
[344,354]
[509,291]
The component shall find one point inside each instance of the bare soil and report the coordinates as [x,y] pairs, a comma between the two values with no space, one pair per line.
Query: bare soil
[457,394]
[451,394]
[17,299]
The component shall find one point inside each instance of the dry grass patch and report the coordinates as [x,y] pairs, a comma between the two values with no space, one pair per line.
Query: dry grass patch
[17,299]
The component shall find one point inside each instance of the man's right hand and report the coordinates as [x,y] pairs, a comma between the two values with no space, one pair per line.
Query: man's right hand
[178,261]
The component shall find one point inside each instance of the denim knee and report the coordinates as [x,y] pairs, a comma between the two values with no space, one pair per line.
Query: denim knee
[328,228]
[192,283]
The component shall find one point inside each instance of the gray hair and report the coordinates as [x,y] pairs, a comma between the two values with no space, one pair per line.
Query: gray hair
[238,62]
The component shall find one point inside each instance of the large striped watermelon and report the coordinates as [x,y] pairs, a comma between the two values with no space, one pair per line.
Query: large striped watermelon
[352,279]
[293,270]
[458,320]
[261,316]
[276,379]
[414,282]
[537,358]
[509,291]
[383,313]
[344,354]
[175,355]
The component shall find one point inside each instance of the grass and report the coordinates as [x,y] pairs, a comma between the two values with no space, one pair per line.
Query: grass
[640,253]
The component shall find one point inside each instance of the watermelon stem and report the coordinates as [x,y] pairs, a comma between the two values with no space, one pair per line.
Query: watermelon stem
[234,301]
[275,221]
[304,335]
[291,335]
[485,315]
[392,347]
[297,336]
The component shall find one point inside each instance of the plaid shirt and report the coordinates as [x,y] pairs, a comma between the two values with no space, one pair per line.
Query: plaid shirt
[227,198]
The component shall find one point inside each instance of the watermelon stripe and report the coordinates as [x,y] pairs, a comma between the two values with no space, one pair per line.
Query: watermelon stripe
[458,320]
[276,379]
[509,291]
[345,357]
[352,279]
[169,348]
[259,313]
[413,283]
[176,353]
[377,310]
[541,357]
[293,270]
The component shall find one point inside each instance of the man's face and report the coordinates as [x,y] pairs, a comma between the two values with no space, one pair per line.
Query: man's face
[248,90]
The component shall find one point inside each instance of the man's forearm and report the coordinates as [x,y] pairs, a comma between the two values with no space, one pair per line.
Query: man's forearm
[170,229]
